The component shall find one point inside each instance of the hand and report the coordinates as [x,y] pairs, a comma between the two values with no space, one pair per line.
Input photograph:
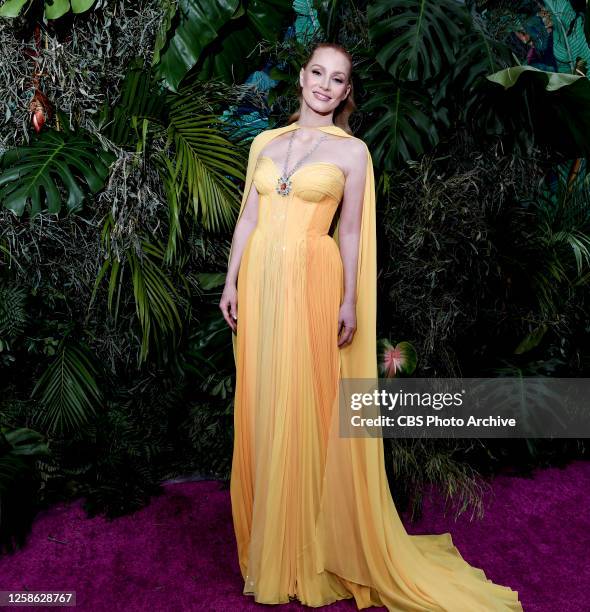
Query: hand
[346,324]
[229,306]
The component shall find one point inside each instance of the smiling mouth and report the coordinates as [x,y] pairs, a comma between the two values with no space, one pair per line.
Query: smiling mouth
[321,96]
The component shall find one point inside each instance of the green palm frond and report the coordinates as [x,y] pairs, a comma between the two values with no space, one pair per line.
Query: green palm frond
[140,99]
[13,314]
[68,389]
[154,294]
[564,220]
[561,241]
[575,241]
[174,197]
[207,164]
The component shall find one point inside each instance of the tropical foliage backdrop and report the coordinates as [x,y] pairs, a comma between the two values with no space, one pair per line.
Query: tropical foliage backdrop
[124,132]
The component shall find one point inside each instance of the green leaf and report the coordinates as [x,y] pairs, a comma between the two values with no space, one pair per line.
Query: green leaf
[210,280]
[206,162]
[68,389]
[155,296]
[168,10]
[264,20]
[199,23]
[415,39]
[26,442]
[557,103]
[13,311]
[567,48]
[551,81]
[139,99]
[220,36]
[34,174]
[54,9]
[12,8]
[266,16]
[401,126]
[532,340]
[79,6]
[393,360]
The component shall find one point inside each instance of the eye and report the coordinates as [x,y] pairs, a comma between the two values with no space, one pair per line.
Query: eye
[339,80]
[315,71]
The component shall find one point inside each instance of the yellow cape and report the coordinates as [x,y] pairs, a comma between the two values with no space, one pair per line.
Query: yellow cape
[359,534]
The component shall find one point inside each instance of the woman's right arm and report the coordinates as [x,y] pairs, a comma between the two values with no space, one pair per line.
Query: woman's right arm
[244,227]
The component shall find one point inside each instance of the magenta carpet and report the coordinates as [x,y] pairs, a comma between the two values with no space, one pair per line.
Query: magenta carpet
[179,552]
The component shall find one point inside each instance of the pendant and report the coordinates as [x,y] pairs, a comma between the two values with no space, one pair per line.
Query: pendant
[283,185]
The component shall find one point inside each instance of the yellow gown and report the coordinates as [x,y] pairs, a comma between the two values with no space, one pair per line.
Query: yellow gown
[313,515]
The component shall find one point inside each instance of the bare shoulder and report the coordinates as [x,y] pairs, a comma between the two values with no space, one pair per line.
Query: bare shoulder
[357,147]
[355,154]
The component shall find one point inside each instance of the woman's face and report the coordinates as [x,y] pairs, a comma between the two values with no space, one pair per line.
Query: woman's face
[324,81]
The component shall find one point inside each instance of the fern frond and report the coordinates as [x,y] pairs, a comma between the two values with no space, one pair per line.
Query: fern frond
[13,315]
[68,390]
[207,165]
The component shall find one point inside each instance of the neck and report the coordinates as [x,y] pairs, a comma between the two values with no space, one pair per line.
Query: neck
[315,121]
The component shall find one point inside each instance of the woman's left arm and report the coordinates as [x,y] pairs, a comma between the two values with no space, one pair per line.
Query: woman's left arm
[349,231]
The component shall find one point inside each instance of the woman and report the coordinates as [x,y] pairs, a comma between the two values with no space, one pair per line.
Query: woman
[313,514]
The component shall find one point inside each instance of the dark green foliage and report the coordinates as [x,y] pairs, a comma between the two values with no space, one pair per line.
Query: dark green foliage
[217,37]
[553,107]
[211,363]
[416,40]
[123,454]
[19,483]
[139,100]
[414,464]
[13,315]
[479,257]
[68,390]
[196,25]
[112,311]
[53,9]
[55,168]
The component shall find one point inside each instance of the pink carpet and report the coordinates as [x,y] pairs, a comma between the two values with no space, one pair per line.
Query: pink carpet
[179,553]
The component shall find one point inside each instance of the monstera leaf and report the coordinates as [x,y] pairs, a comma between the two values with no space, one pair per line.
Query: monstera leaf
[54,167]
[401,126]
[415,39]
[54,9]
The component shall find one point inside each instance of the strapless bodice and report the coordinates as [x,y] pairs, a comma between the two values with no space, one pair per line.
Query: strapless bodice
[316,191]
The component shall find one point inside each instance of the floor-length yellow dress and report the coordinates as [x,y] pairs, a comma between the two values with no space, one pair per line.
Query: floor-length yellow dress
[313,515]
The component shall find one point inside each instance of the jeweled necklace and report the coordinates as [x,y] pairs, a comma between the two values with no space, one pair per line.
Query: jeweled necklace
[284,182]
